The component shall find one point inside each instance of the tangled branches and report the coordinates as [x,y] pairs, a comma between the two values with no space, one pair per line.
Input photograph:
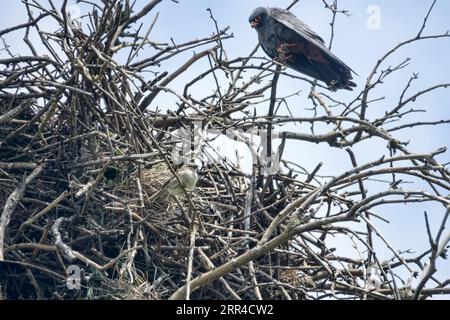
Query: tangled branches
[84,149]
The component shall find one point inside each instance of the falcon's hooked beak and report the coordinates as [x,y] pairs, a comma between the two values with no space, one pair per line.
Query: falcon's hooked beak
[255,22]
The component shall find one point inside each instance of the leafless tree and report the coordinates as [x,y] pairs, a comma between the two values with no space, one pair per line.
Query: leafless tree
[83,148]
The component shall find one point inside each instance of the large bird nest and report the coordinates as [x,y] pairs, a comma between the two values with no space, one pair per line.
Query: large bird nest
[121,242]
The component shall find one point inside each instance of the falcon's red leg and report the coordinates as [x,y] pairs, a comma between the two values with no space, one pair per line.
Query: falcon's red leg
[283,52]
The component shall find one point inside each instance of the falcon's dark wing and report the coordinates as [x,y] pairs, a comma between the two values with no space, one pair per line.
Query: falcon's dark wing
[291,21]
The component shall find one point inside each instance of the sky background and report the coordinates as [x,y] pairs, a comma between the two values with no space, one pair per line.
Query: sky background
[357,44]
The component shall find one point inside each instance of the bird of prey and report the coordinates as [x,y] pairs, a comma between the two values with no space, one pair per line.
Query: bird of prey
[291,42]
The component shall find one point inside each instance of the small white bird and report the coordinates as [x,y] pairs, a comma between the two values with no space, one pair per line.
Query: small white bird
[188,177]
[374,280]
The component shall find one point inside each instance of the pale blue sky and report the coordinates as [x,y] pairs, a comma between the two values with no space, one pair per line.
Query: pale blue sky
[354,43]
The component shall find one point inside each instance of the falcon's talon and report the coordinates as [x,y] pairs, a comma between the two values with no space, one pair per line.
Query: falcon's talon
[283,58]
[282,47]
[283,50]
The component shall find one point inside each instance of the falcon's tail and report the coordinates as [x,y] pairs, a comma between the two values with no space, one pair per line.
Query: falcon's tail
[348,85]
[338,76]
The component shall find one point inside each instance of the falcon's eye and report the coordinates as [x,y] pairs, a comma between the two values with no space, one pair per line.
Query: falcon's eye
[257,19]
